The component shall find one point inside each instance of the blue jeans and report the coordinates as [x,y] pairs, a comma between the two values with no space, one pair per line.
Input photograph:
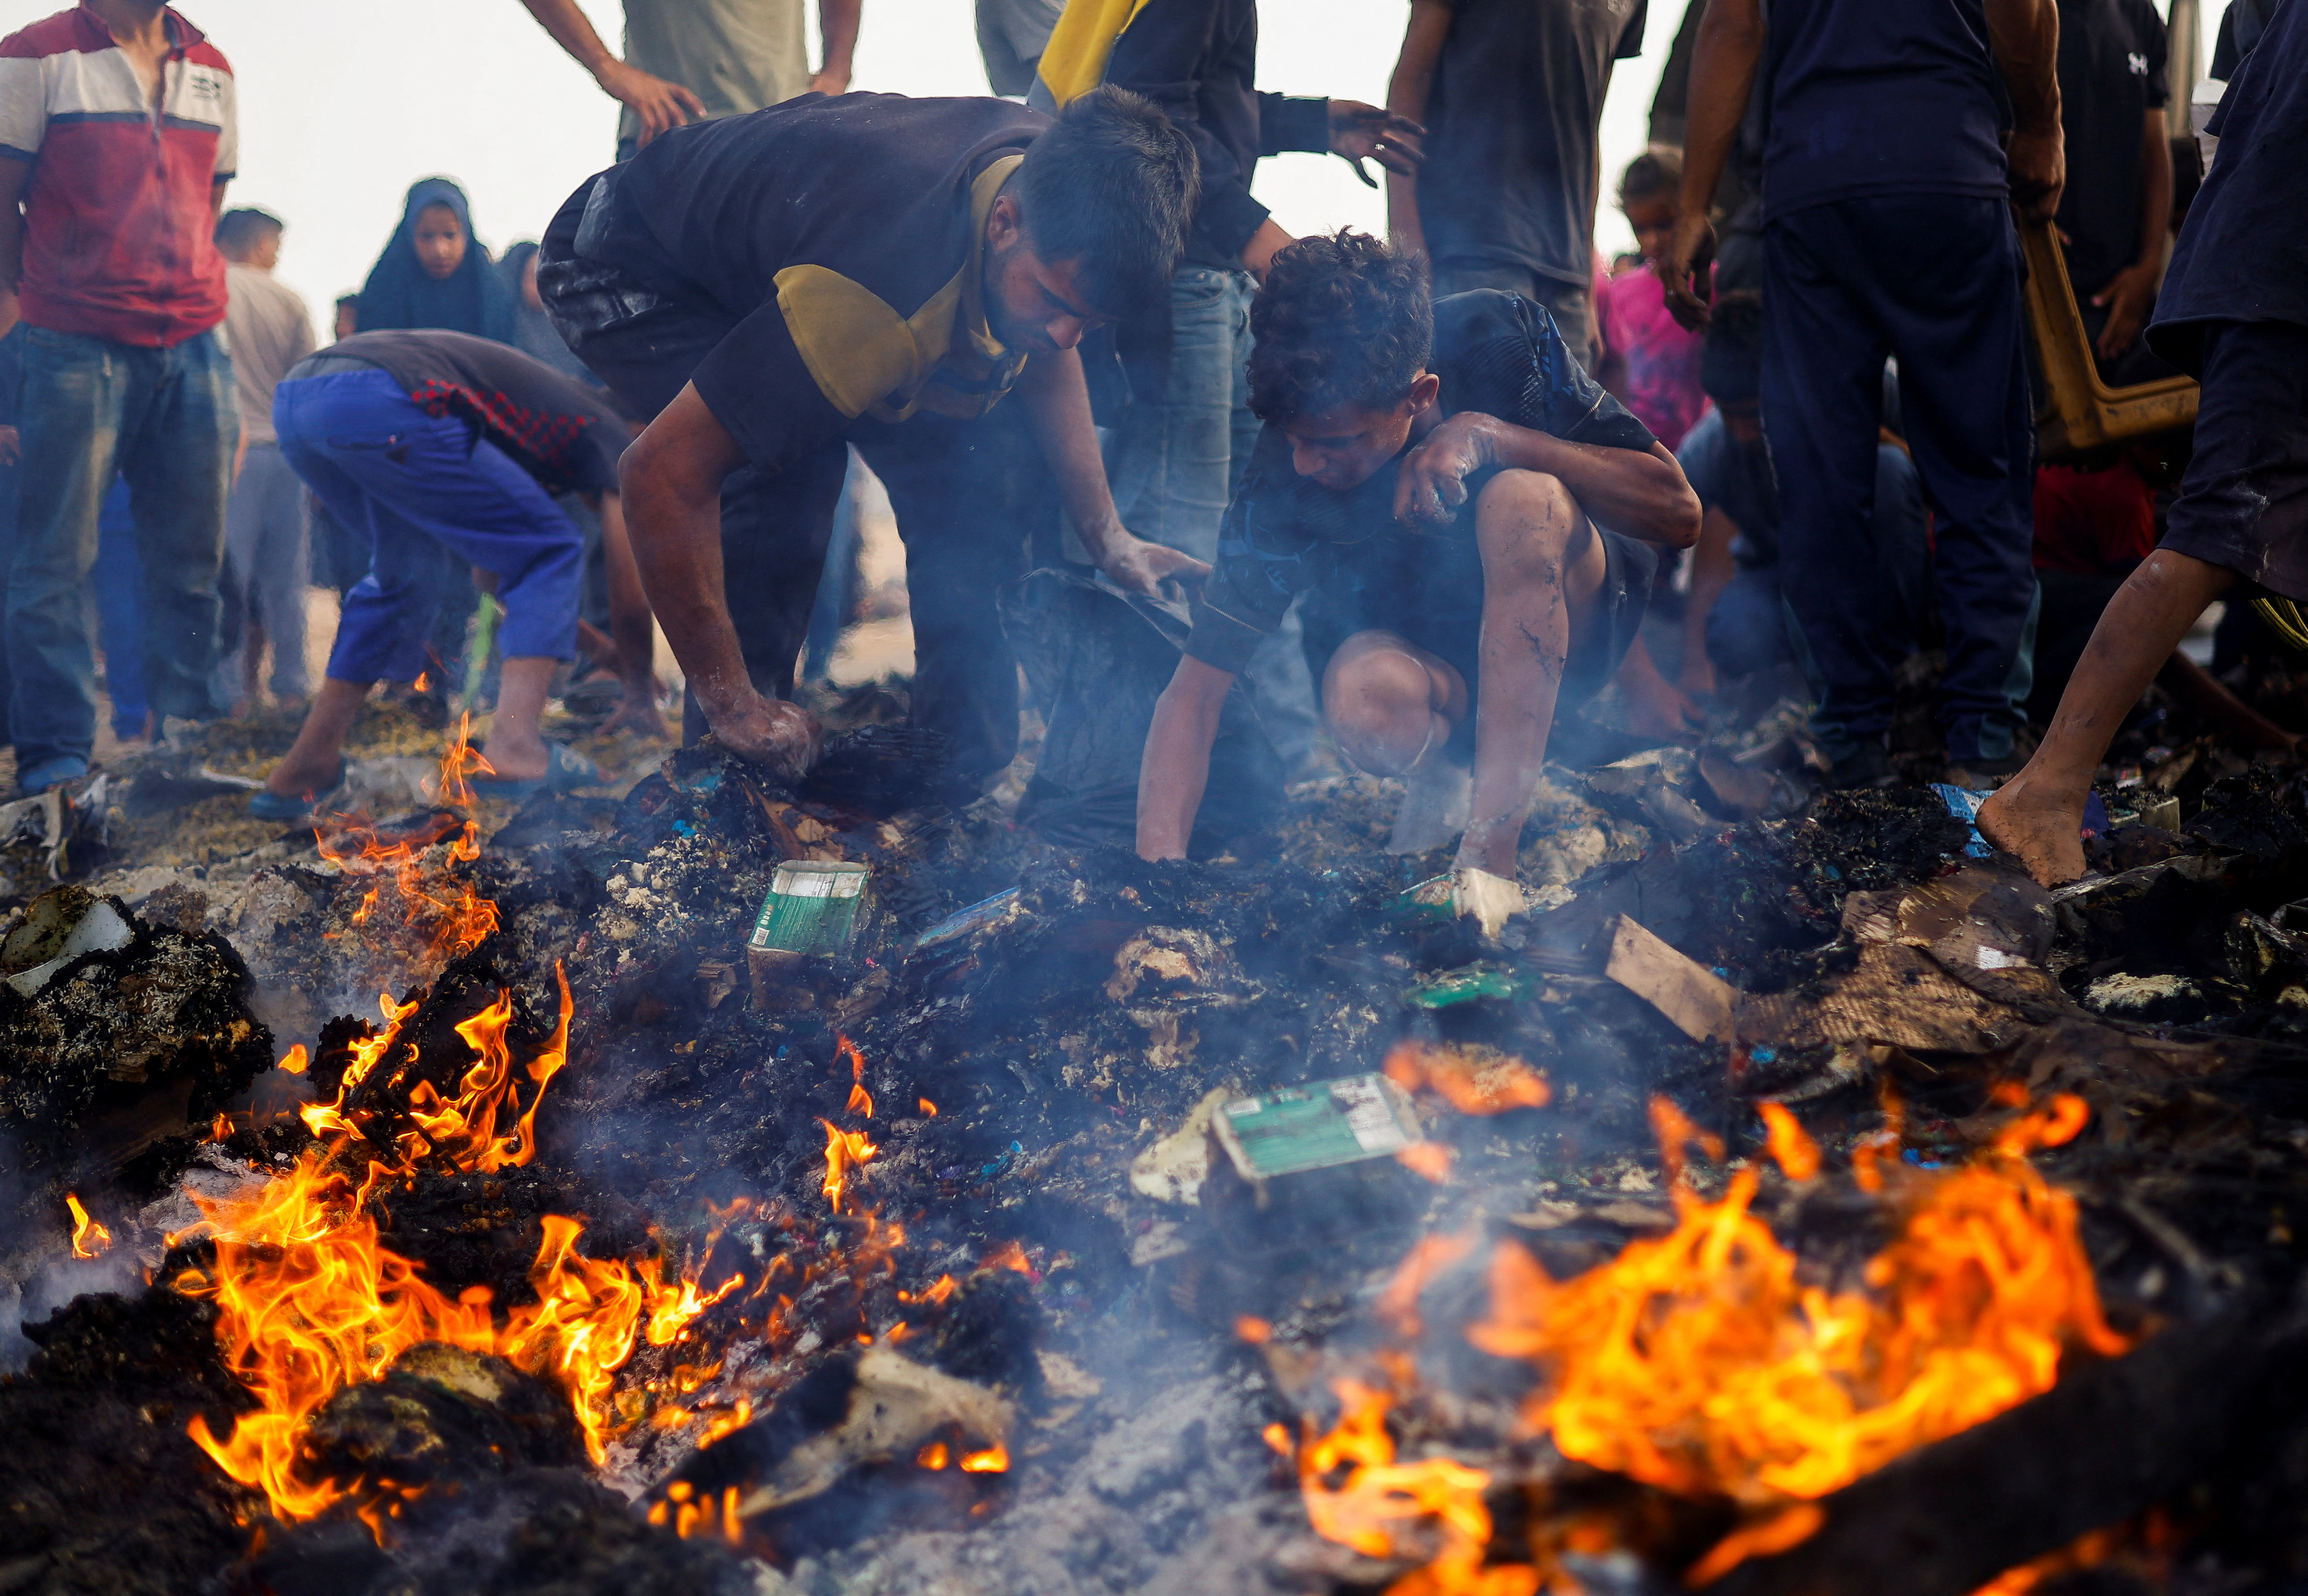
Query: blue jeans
[166,420]
[1750,628]
[271,541]
[117,580]
[1181,449]
[1933,279]
[421,488]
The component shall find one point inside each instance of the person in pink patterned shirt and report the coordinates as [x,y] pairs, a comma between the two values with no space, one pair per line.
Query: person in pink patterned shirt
[1650,363]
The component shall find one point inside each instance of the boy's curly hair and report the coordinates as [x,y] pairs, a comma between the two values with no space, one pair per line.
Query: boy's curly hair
[1344,319]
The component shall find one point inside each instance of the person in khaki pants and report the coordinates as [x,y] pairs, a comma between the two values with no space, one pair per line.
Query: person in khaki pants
[267,531]
[693,60]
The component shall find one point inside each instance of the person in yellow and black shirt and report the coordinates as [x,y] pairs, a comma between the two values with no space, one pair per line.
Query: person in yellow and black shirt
[881,271]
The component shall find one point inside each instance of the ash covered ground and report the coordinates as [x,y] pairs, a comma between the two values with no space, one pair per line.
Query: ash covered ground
[1035,1079]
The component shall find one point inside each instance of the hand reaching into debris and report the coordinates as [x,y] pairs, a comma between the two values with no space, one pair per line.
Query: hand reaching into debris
[1360,132]
[1137,565]
[783,737]
[1686,260]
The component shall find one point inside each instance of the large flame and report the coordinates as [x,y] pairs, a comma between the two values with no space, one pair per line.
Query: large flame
[1699,1361]
[310,1301]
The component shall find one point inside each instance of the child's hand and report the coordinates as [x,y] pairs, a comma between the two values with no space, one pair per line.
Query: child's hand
[1430,484]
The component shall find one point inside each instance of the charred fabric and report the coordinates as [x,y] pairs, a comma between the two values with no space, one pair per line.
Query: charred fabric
[1795,1200]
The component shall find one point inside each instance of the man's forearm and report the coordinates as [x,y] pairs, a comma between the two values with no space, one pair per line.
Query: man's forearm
[1724,61]
[573,32]
[1407,94]
[630,626]
[1175,768]
[1643,494]
[837,28]
[1056,397]
[2025,35]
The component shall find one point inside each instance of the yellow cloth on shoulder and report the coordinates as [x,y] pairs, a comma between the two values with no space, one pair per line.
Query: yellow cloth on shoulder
[1073,63]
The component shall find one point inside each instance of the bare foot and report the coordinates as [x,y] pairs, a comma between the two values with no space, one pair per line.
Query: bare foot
[290,779]
[1655,708]
[2042,830]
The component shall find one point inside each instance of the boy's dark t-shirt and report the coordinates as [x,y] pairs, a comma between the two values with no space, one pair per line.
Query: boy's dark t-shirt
[563,434]
[2112,74]
[1509,177]
[1498,355]
[1867,97]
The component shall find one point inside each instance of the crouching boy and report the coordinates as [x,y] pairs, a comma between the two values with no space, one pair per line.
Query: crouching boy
[1471,518]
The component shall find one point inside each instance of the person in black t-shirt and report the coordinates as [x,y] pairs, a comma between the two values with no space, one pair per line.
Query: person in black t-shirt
[434,444]
[1511,94]
[2118,202]
[879,272]
[1427,478]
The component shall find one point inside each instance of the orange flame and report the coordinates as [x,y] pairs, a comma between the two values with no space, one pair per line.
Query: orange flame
[89,1239]
[446,916]
[1699,1363]
[1791,1147]
[929,1109]
[1465,1081]
[845,1150]
[931,1456]
[1011,1256]
[459,764]
[310,1301]
[994,1459]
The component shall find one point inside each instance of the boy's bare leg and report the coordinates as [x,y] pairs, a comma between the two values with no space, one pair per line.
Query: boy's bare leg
[2038,814]
[515,749]
[1542,568]
[1397,709]
[310,766]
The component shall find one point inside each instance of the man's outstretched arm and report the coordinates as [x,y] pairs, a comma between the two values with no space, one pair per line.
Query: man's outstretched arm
[671,479]
[1176,766]
[1724,61]
[1057,413]
[658,104]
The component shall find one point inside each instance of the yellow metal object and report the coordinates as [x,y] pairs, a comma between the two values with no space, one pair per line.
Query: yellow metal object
[2284,616]
[2082,413]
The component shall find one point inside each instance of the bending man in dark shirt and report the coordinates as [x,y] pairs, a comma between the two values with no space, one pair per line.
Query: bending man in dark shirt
[1440,634]
[877,271]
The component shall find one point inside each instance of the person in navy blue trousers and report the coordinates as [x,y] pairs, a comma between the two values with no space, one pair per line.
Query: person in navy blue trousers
[1890,177]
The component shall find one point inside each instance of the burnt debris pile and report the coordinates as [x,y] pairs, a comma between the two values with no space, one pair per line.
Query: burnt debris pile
[738,1187]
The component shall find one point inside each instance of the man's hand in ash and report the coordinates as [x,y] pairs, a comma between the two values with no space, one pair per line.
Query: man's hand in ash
[1431,484]
[770,732]
[1136,565]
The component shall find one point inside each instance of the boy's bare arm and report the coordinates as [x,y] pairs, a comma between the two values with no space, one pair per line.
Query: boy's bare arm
[1405,96]
[1176,766]
[1642,493]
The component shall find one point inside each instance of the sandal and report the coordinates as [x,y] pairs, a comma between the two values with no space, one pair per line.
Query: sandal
[269,805]
[565,769]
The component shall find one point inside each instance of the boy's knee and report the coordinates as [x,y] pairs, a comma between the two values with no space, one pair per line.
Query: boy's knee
[1378,705]
[1526,520]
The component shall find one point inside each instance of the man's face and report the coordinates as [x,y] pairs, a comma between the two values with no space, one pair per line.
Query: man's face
[264,253]
[1344,447]
[1744,420]
[1036,306]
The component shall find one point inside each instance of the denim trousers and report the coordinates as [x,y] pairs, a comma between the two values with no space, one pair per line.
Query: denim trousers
[422,488]
[1180,450]
[1932,281]
[166,420]
[268,539]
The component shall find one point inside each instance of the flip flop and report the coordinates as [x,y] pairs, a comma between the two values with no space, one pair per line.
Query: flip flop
[564,768]
[269,805]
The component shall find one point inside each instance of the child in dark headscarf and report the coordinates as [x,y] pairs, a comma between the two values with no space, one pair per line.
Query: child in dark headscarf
[535,335]
[434,273]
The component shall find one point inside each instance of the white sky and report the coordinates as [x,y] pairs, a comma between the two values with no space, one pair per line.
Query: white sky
[345,103]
